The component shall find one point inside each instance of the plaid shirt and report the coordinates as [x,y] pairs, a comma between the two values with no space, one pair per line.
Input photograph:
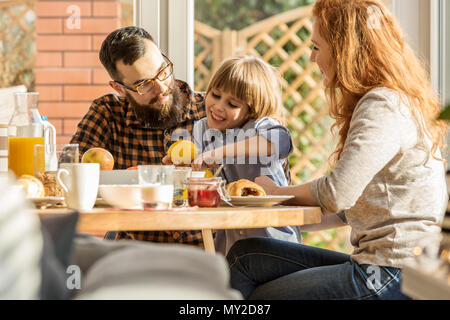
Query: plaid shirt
[111,124]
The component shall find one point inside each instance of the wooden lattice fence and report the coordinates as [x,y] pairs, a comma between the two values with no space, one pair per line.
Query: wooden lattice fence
[284,41]
[17,43]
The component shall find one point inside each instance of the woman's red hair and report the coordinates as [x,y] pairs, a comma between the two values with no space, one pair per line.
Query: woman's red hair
[369,51]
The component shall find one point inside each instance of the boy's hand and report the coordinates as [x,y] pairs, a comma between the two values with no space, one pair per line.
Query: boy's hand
[167,160]
[209,158]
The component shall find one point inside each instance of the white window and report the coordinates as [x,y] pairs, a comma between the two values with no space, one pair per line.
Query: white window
[425,26]
[444,7]
[171,24]
[444,55]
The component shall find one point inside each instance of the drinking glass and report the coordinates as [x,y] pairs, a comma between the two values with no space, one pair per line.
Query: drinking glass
[180,179]
[48,157]
[157,186]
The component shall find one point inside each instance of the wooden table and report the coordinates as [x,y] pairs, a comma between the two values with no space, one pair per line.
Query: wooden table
[204,219]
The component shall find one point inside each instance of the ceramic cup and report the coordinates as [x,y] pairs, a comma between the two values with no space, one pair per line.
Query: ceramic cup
[80,184]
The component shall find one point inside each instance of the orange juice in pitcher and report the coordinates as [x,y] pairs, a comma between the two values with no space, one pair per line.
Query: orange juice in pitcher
[25,130]
[21,154]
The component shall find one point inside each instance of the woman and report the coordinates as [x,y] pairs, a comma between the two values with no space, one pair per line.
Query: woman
[388,179]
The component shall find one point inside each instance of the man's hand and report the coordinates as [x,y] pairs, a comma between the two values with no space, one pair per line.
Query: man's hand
[167,160]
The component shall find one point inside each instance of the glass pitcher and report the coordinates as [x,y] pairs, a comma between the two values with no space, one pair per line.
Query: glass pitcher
[24,131]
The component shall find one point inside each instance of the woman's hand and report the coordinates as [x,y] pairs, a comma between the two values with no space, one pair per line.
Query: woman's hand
[268,185]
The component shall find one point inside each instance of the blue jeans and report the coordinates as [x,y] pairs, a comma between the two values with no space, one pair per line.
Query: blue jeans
[263,268]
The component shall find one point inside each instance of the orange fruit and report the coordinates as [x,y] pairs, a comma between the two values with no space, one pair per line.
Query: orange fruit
[99,155]
[182,152]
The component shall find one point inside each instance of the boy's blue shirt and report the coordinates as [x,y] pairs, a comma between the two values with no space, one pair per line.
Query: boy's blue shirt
[207,139]
[234,169]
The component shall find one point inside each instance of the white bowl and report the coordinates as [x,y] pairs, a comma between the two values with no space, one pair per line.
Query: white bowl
[124,196]
[119,177]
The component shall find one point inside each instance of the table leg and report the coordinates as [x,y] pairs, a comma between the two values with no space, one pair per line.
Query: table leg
[208,240]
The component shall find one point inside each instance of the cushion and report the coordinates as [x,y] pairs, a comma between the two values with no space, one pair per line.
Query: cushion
[158,271]
[58,233]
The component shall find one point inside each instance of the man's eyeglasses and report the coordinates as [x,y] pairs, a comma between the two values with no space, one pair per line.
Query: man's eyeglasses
[147,85]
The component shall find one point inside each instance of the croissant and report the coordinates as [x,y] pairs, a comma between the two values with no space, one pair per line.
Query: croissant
[243,188]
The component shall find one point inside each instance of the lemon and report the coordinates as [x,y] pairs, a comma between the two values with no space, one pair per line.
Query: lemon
[182,152]
[173,145]
[208,173]
[185,194]
[180,194]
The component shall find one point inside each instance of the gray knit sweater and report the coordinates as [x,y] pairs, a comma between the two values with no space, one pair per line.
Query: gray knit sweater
[394,195]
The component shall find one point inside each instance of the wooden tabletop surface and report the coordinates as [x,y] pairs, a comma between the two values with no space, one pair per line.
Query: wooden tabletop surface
[107,219]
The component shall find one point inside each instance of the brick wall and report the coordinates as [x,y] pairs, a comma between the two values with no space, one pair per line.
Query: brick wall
[68,72]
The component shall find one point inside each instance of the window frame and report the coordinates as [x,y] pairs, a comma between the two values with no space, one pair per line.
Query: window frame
[171,24]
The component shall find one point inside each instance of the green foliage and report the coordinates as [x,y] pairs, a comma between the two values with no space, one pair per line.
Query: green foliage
[445,115]
[322,240]
[238,14]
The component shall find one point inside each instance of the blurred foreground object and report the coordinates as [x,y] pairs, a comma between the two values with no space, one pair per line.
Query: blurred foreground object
[20,245]
[33,187]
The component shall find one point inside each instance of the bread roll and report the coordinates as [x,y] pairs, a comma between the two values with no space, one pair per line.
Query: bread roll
[33,186]
[244,188]
[51,185]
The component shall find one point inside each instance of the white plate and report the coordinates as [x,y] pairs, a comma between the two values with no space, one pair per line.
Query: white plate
[48,202]
[253,201]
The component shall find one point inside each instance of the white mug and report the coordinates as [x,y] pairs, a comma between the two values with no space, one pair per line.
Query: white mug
[80,184]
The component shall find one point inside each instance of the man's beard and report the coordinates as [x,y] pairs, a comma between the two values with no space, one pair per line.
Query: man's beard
[156,114]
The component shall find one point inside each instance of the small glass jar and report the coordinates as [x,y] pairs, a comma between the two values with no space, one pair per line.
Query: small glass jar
[205,192]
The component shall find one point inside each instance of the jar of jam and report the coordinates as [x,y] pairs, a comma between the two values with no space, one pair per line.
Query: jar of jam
[205,192]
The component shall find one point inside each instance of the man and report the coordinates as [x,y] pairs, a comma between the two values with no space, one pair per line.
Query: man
[137,123]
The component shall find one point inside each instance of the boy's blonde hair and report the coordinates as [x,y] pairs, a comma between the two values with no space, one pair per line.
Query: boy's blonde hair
[253,81]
